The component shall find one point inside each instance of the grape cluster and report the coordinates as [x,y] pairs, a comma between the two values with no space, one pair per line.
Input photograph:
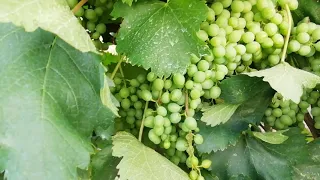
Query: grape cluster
[243,33]
[90,16]
[284,113]
[305,39]
[166,107]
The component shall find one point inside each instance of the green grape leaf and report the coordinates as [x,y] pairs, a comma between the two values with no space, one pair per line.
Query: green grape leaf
[310,170]
[255,159]
[160,35]
[104,164]
[142,163]
[49,105]
[287,80]
[238,89]
[53,16]
[221,136]
[107,98]
[218,114]
[129,2]
[307,8]
[271,137]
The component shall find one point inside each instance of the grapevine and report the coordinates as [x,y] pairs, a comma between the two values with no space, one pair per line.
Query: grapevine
[176,89]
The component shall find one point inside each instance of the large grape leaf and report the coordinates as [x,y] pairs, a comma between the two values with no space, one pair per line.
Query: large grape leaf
[254,159]
[53,16]
[221,136]
[240,88]
[104,164]
[160,35]
[287,80]
[307,8]
[142,163]
[218,114]
[49,105]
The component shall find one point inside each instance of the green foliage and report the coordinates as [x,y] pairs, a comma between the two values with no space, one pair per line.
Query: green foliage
[53,16]
[218,114]
[159,35]
[142,163]
[282,76]
[104,164]
[307,8]
[221,136]
[254,159]
[271,137]
[49,103]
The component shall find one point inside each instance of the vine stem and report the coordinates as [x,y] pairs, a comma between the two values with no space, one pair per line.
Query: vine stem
[79,5]
[285,48]
[142,122]
[310,123]
[116,69]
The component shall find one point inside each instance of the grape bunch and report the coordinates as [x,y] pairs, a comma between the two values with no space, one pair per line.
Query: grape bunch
[282,114]
[246,33]
[166,108]
[91,17]
[305,39]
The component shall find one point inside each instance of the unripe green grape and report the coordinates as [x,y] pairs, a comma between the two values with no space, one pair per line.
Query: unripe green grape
[80,12]
[162,111]
[271,29]
[302,27]
[267,43]
[194,161]
[210,15]
[167,122]
[146,95]
[268,12]
[151,76]
[200,178]
[198,139]
[215,92]
[286,120]
[277,19]
[174,107]
[207,84]
[158,120]
[237,6]
[217,7]
[181,144]
[241,23]
[199,77]
[175,118]
[204,25]
[253,47]
[278,124]
[294,46]
[168,130]
[130,119]
[178,80]
[247,7]
[202,35]
[171,151]
[72,3]
[138,105]
[124,92]
[234,36]
[225,13]
[90,14]
[206,163]
[293,5]
[316,34]
[277,112]
[190,123]
[189,84]
[213,30]
[176,95]
[303,37]
[153,137]
[155,94]
[95,35]
[258,17]
[195,94]
[101,28]
[273,59]
[303,105]
[261,4]
[278,40]
[193,175]
[125,103]
[166,144]
[315,111]
[248,16]
[317,46]
[304,50]
[158,130]
[268,112]
[158,84]
[219,75]
[248,37]
[219,51]
[203,65]
[165,98]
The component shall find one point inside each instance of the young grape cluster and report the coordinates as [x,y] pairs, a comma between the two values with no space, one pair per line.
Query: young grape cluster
[305,39]
[166,107]
[243,33]
[91,17]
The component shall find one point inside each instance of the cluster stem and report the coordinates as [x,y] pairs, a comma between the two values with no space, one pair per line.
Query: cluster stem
[79,5]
